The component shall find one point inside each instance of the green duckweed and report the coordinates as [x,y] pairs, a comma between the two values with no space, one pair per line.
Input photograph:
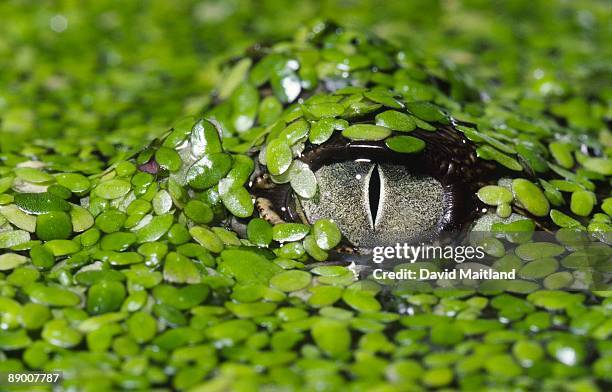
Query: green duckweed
[494,195]
[405,144]
[323,129]
[9,261]
[291,280]
[185,262]
[259,232]
[40,203]
[289,232]
[112,189]
[12,238]
[530,197]
[54,225]
[278,156]
[366,132]
[582,203]
[396,121]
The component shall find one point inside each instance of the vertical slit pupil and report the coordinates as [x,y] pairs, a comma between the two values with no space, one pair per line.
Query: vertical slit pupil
[374,192]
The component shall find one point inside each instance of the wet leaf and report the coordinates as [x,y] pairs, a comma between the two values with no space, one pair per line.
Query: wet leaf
[396,121]
[366,132]
[405,144]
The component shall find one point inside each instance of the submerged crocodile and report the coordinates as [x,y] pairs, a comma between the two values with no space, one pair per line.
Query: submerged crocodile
[315,151]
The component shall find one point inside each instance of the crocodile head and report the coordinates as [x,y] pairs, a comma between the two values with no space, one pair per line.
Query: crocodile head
[338,125]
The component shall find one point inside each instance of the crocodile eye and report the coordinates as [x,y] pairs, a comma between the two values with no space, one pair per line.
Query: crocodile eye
[379,197]
[377,203]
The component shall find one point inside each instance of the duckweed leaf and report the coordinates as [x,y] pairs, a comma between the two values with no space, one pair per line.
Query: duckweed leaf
[332,337]
[599,165]
[286,86]
[323,129]
[289,232]
[323,110]
[155,229]
[207,171]
[494,195]
[168,158]
[530,197]
[179,269]
[582,203]
[77,183]
[19,218]
[259,232]
[40,203]
[278,156]
[383,97]
[396,121]
[563,220]
[238,201]
[536,250]
[207,239]
[52,295]
[14,340]
[269,110]
[105,296]
[204,139]
[291,280]
[425,111]
[59,333]
[303,182]
[248,267]
[9,239]
[326,234]
[562,153]
[234,77]
[231,332]
[366,132]
[81,218]
[539,268]
[245,101]
[142,327]
[490,153]
[112,189]
[9,261]
[312,248]
[54,225]
[31,174]
[405,144]
[198,211]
